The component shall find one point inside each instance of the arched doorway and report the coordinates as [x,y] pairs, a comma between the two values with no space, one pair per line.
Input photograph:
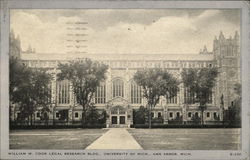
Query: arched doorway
[118,115]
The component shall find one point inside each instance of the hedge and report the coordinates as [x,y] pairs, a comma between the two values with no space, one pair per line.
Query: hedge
[12,127]
[183,126]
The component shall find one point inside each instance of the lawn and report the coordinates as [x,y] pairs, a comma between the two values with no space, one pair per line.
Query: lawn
[187,139]
[54,138]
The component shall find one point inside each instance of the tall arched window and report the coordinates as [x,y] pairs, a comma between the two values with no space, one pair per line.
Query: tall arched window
[100,94]
[189,97]
[172,95]
[135,93]
[63,92]
[118,88]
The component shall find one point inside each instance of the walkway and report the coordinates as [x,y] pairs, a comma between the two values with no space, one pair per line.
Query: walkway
[115,138]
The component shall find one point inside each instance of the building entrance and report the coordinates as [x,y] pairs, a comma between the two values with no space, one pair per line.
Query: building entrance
[118,115]
[114,119]
[122,119]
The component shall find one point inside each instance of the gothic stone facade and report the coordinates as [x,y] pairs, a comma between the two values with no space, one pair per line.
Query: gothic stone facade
[119,94]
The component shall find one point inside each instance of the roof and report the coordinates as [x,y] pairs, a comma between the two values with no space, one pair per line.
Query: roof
[117,57]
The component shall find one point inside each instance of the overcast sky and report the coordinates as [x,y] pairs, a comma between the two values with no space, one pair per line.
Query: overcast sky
[166,31]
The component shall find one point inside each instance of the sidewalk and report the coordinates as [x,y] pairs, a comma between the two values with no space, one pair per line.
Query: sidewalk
[115,138]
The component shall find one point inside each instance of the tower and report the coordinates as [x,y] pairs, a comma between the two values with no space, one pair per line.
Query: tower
[227,56]
[14,45]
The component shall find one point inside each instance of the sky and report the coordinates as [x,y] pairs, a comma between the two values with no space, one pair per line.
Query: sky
[122,31]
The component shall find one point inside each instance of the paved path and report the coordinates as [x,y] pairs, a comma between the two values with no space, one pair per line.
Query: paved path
[115,138]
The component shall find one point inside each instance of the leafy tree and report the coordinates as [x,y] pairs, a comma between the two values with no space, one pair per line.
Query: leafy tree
[155,82]
[200,82]
[63,115]
[176,120]
[85,76]
[233,114]
[45,111]
[140,115]
[28,88]
[19,76]
[92,115]
[196,119]
[102,117]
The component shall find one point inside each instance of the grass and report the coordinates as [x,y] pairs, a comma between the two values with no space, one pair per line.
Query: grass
[187,139]
[59,139]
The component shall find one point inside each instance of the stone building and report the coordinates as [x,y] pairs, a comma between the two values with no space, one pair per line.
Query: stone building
[15,45]
[119,94]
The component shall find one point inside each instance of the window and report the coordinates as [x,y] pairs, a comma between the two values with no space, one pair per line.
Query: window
[170,114]
[208,114]
[100,94]
[189,114]
[118,88]
[196,114]
[114,110]
[135,93]
[18,115]
[178,114]
[189,97]
[63,92]
[152,114]
[159,114]
[38,114]
[76,115]
[57,115]
[215,115]
[172,95]
[122,110]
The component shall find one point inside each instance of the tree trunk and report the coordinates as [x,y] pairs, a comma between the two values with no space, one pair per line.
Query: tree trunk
[202,122]
[149,117]
[53,119]
[31,119]
[83,117]
[26,122]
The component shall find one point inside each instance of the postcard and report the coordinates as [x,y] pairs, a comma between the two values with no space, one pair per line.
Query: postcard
[124,79]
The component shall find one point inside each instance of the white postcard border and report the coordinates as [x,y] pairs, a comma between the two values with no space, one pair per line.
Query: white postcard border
[63,4]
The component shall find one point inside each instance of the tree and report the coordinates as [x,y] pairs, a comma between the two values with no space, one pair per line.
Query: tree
[195,119]
[29,88]
[200,82]
[155,82]
[140,115]
[92,115]
[233,114]
[176,120]
[45,111]
[85,76]
[102,117]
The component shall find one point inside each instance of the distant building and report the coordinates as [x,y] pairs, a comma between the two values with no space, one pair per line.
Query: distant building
[15,45]
[119,94]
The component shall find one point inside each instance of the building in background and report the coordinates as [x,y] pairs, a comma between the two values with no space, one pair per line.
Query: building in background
[119,95]
[15,45]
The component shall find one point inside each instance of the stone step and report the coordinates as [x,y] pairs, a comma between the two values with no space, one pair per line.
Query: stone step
[119,126]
